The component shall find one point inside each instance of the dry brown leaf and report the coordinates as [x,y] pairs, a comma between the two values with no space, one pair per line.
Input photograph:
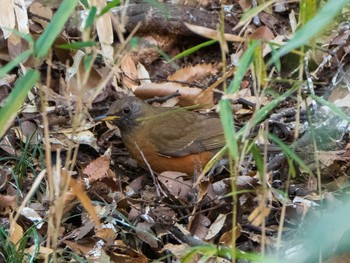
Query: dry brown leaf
[226,238]
[135,185]
[245,4]
[7,204]
[98,168]
[16,234]
[81,247]
[178,250]
[258,215]
[107,234]
[40,14]
[144,232]
[128,67]
[198,226]
[81,232]
[194,73]
[262,33]
[189,96]
[78,188]
[129,255]
[176,185]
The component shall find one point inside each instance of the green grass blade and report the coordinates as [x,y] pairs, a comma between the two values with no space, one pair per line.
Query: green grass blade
[45,41]
[264,111]
[77,45]
[247,16]
[289,153]
[16,98]
[337,111]
[316,25]
[229,128]
[242,67]
[13,63]
[91,18]
[193,49]
[109,6]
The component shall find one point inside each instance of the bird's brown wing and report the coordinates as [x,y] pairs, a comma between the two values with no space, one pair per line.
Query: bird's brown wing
[185,133]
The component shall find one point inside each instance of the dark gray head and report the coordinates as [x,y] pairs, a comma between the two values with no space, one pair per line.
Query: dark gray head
[125,112]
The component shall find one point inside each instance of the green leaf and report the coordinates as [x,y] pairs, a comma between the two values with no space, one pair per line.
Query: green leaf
[45,41]
[16,98]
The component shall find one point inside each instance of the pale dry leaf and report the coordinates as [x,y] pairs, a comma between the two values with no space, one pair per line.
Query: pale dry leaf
[215,227]
[7,17]
[33,216]
[343,102]
[213,34]
[327,158]
[105,32]
[194,73]
[293,21]
[278,40]
[42,253]
[143,74]
[21,16]
[339,96]
[258,215]
[6,145]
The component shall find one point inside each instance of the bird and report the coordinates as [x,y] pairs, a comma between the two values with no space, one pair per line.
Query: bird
[166,139]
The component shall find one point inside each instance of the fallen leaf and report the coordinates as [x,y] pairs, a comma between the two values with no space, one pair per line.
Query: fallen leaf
[216,226]
[97,169]
[144,232]
[189,96]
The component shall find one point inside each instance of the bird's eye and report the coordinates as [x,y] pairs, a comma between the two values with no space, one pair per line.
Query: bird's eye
[126,110]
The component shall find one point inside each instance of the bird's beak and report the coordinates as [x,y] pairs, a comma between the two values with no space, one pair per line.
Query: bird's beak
[106,118]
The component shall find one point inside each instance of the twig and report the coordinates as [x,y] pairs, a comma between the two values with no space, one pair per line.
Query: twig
[155,181]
